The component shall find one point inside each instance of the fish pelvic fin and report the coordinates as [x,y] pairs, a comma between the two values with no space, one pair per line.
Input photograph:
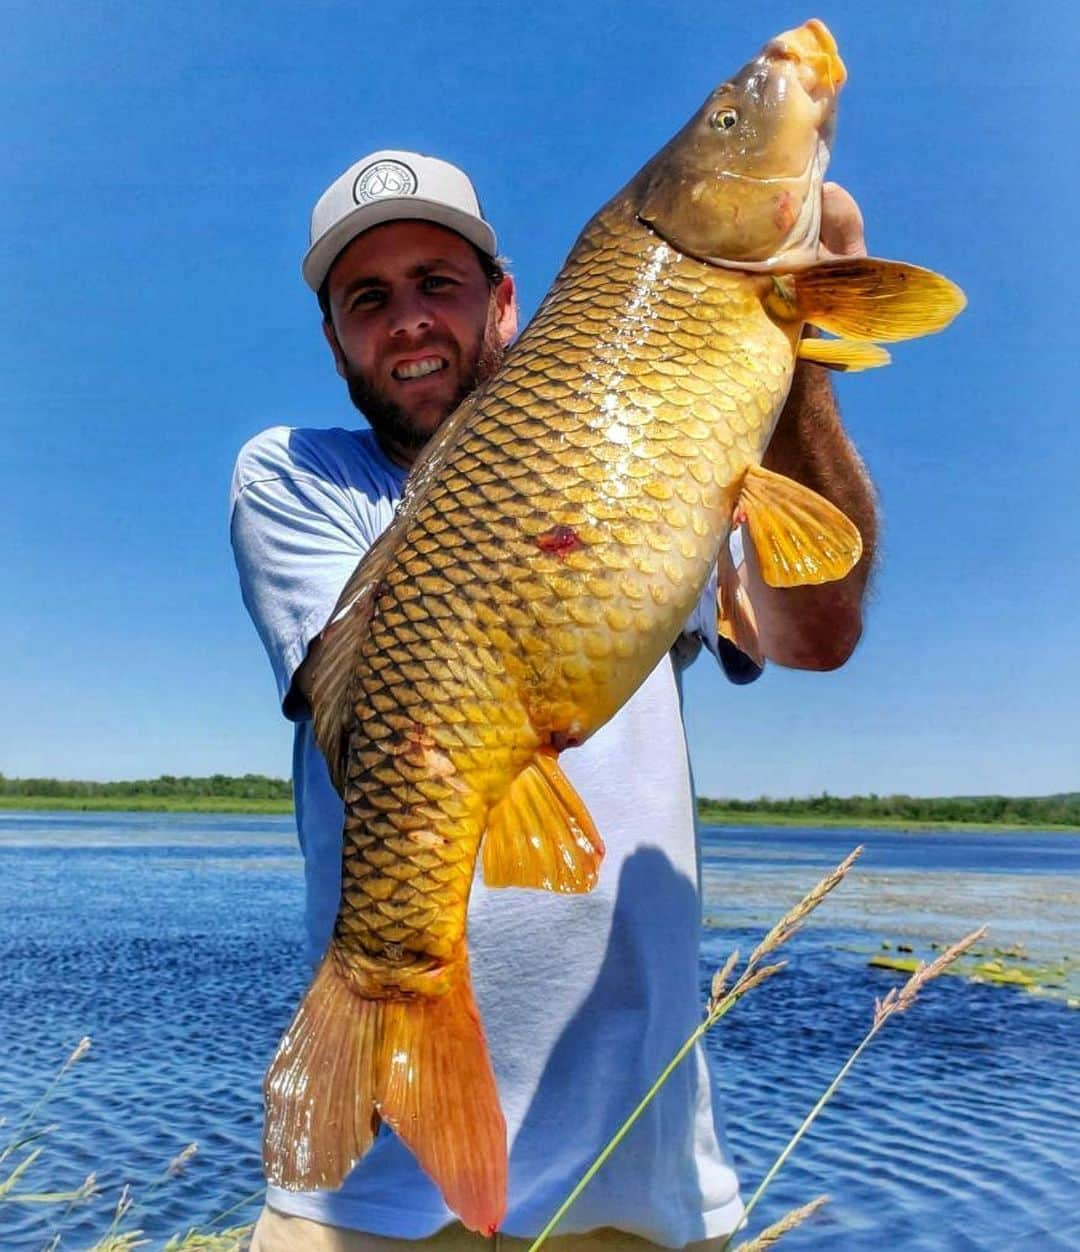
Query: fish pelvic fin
[867,299]
[419,1063]
[799,537]
[540,833]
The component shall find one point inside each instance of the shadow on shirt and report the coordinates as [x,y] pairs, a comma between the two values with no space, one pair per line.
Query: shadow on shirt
[641,1007]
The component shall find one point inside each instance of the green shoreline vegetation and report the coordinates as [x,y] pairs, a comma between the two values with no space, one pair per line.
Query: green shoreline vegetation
[220,793]
[258,794]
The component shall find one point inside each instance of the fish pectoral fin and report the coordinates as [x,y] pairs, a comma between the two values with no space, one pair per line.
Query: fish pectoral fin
[866,298]
[850,355]
[419,1063]
[799,537]
[540,833]
[735,619]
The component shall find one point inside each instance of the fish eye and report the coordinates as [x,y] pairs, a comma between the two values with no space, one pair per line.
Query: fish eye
[723,119]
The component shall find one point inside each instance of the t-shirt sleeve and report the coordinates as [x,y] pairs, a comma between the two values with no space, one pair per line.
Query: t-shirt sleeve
[737,666]
[296,540]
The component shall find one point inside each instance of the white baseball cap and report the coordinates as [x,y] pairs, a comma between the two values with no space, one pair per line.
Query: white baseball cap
[385,187]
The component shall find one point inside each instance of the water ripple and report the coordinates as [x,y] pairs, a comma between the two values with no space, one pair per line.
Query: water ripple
[174,942]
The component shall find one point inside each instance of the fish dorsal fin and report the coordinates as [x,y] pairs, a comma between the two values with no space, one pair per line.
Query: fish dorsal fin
[332,663]
[843,354]
[735,619]
[799,537]
[540,833]
[866,298]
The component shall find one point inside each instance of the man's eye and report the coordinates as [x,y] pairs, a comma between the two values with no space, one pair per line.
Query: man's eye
[366,299]
[432,282]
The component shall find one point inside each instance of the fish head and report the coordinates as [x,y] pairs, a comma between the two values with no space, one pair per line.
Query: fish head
[740,184]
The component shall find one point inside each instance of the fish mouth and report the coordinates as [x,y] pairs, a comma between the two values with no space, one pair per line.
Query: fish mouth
[419,367]
[816,56]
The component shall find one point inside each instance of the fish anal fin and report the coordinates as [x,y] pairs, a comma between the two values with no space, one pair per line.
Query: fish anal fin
[799,537]
[540,833]
[440,1099]
[850,355]
[867,298]
[419,1063]
[735,619]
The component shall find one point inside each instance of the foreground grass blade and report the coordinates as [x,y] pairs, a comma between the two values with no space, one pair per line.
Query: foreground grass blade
[898,1000]
[721,1002]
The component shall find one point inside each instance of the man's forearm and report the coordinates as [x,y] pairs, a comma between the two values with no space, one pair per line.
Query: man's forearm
[816,627]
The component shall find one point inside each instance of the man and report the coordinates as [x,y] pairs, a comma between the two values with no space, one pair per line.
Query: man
[584,999]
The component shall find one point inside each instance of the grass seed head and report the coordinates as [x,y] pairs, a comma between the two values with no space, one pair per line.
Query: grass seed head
[180,1160]
[794,918]
[719,983]
[77,1053]
[777,1230]
[900,999]
[235,1239]
[124,1203]
[753,977]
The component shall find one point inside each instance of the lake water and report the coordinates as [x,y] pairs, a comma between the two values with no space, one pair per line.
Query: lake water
[172,940]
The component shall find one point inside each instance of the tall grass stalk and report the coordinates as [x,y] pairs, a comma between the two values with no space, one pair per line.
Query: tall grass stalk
[721,1001]
[898,1000]
[22,1149]
[24,1135]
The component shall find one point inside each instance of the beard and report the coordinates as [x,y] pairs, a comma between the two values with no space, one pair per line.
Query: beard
[392,423]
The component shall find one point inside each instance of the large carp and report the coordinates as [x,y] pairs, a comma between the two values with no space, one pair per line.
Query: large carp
[550,545]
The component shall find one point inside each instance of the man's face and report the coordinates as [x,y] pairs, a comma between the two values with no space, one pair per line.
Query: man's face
[415,325]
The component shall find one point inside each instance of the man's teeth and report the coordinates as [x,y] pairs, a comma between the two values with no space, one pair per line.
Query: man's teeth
[417,369]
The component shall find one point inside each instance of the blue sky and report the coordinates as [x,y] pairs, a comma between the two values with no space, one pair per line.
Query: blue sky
[159,165]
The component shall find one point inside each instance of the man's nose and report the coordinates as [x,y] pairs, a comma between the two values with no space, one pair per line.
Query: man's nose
[409,314]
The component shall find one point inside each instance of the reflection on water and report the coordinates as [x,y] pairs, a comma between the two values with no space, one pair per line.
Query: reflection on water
[173,940]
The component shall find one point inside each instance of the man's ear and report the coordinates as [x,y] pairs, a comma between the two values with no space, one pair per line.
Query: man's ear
[335,347]
[506,312]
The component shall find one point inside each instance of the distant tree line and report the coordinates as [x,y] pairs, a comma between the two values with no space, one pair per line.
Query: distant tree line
[168,786]
[1057,810]
[1061,809]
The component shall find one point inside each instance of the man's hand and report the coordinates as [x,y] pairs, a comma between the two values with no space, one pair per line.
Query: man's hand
[818,627]
[841,224]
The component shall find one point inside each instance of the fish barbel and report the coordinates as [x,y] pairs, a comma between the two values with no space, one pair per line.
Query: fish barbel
[550,545]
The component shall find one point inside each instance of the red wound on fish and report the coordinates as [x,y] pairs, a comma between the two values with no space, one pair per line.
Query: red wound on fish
[559,539]
[785,212]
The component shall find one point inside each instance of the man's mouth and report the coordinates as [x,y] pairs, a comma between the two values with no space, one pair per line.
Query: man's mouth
[419,368]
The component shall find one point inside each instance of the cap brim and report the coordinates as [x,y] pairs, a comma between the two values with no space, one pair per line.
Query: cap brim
[325,251]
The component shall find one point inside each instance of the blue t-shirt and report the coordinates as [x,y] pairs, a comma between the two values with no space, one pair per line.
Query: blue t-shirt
[584,999]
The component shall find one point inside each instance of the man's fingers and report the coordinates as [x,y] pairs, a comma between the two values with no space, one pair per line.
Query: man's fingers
[841,223]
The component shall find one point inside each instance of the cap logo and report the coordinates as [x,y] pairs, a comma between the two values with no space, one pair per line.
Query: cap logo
[383,179]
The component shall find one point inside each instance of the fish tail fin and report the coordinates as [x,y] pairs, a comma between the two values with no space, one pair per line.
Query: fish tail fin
[441,1101]
[320,1089]
[417,1062]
